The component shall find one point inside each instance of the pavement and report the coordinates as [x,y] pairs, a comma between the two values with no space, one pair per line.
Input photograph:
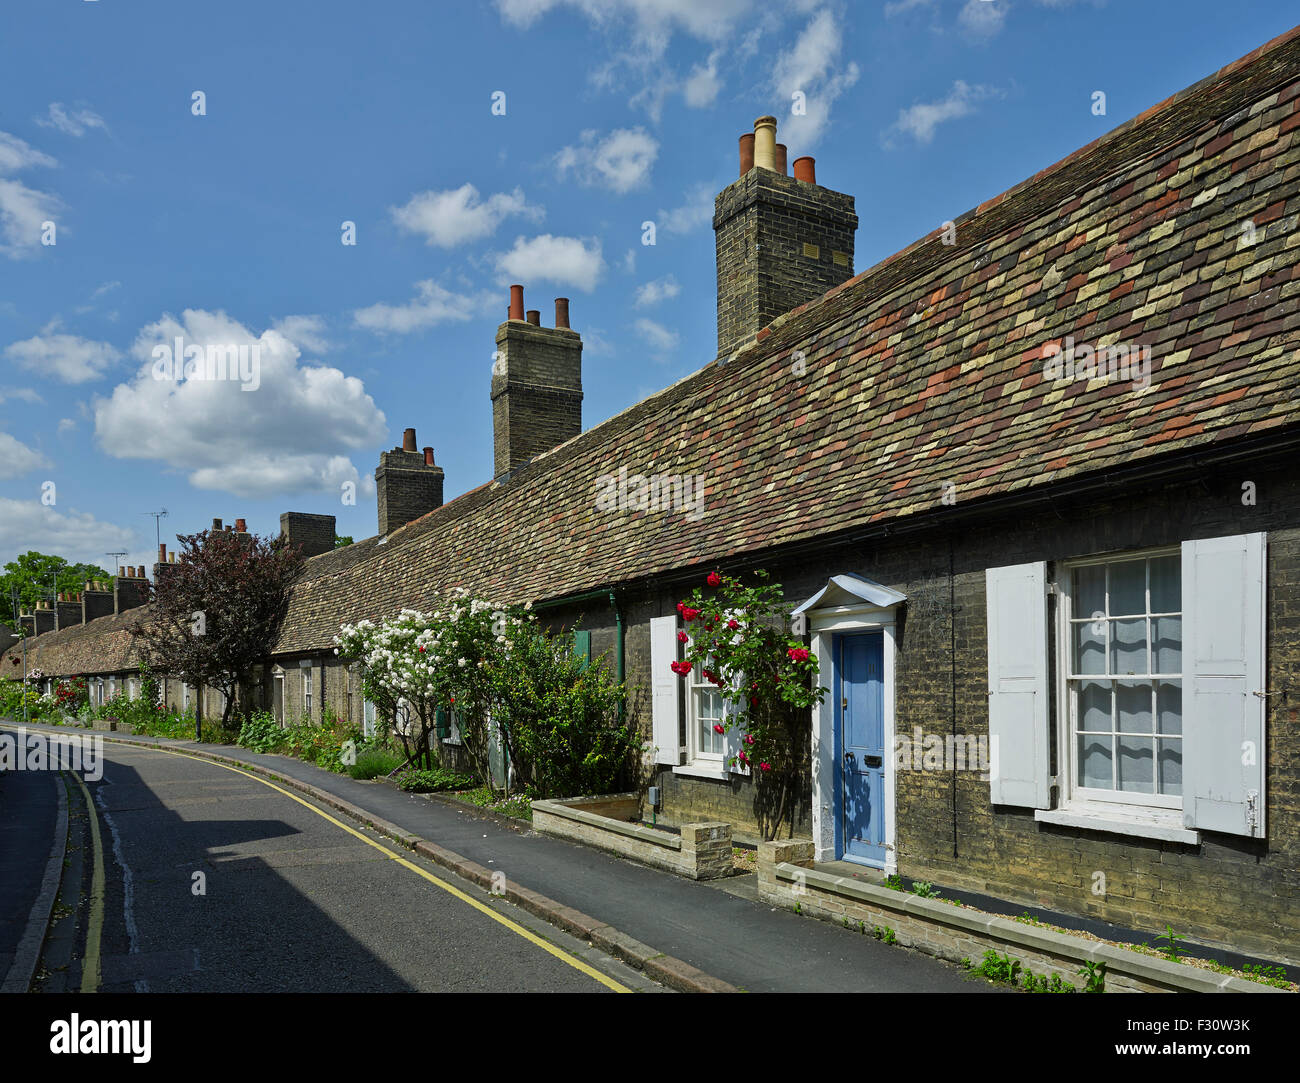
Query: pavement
[686,935]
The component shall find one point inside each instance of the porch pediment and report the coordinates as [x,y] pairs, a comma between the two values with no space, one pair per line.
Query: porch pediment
[850,589]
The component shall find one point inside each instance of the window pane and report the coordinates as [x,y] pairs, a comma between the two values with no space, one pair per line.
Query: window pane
[1134,707]
[1167,644]
[1128,587]
[1169,706]
[1090,647]
[1090,590]
[1094,706]
[1166,585]
[1094,761]
[1136,761]
[1128,646]
[1171,766]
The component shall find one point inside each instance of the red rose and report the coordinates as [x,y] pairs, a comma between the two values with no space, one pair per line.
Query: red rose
[743,758]
[714,579]
[733,624]
[682,637]
[708,676]
[765,766]
[681,668]
[753,701]
[749,738]
[689,614]
[421,650]
[718,729]
[798,654]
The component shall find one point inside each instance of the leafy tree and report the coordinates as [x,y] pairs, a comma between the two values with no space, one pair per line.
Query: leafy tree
[34,573]
[216,612]
[340,540]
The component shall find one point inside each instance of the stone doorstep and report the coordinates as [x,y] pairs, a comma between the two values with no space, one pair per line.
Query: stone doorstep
[992,927]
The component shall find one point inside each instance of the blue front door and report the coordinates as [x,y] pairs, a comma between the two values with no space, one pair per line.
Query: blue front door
[859,704]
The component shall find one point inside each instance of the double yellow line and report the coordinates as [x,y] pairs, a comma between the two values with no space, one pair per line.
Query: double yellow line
[91,966]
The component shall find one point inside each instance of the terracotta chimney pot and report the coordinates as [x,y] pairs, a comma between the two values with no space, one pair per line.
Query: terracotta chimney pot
[516,311]
[805,169]
[562,312]
[746,153]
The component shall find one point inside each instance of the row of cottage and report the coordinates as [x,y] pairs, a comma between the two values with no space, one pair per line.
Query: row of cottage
[999,539]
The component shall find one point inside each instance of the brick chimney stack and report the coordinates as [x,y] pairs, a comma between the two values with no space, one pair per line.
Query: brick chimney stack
[130,590]
[536,384]
[96,601]
[315,533]
[408,484]
[781,240]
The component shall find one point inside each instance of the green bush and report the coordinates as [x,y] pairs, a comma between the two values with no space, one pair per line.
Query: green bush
[261,732]
[440,778]
[373,762]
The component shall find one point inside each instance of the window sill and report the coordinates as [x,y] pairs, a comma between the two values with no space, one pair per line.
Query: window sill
[1141,825]
[699,770]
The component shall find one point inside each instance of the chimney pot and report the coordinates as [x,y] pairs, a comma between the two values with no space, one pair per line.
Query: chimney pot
[562,312]
[516,311]
[781,153]
[428,456]
[241,525]
[765,143]
[408,440]
[121,571]
[534,317]
[216,524]
[805,169]
[171,558]
[139,574]
[746,153]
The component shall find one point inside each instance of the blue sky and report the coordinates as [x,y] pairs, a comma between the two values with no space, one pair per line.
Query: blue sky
[226,227]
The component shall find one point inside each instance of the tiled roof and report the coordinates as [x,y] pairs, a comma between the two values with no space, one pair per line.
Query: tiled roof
[104,645]
[924,370]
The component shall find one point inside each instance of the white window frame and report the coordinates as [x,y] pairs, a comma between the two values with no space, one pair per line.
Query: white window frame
[1074,799]
[185,696]
[696,689]
[306,689]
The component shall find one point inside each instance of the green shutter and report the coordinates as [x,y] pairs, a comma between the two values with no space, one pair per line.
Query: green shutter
[442,723]
[582,646]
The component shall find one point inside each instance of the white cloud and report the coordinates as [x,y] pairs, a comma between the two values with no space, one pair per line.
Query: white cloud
[810,67]
[629,261]
[24,394]
[660,289]
[75,123]
[566,261]
[655,21]
[305,332]
[432,304]
[658,337]
[16,154]
[107,287]
[921,120]
[76,536]
[696,211]
[452,217]
[17,458]
[702,85]
[982,19]
[22,209]
[621,161]
[69,358]
[904,6]
[292,433]
[66,424]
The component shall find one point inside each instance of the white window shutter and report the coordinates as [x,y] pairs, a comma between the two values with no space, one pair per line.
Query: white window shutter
[1018,700]
[1223,668]
[734,704]
[666,689]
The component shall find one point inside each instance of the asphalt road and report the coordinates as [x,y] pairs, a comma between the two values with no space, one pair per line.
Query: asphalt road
[216,882]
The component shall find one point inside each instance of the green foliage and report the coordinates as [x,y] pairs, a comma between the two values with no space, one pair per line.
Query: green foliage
[340,540]
[924,889]
[1171,939]
[373,762]
[1268,975]
[1026,918]
[999,968]
[895,882]
[321,744]
[563,718]
[1039,983]
[884,934]
[1094,976]
[433,781]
